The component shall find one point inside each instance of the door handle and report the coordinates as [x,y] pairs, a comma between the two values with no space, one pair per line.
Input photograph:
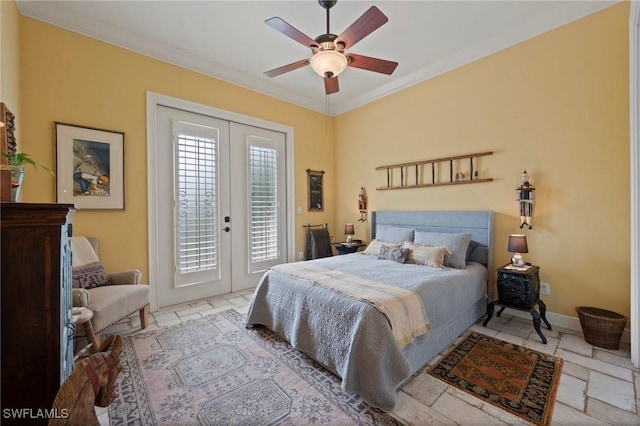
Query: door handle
[227,229]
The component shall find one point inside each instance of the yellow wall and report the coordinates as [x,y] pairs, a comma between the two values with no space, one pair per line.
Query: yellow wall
[10,59]
[74,79]
[557,106]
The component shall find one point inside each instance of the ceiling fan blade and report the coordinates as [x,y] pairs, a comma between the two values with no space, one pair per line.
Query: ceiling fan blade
[286,68]
[331,85]
[370,21]
[372,64]
[290,31]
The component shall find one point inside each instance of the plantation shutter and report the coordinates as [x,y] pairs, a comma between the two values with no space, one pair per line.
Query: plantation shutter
[196,203]
[265,221]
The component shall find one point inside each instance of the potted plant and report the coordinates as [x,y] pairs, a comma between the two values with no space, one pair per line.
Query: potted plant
[15,161]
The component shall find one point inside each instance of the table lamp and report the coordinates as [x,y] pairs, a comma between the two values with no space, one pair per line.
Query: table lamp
[517,245]
[349,231]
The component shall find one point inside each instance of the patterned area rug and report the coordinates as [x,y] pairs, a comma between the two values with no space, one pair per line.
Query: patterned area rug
[521,381]
[214,371]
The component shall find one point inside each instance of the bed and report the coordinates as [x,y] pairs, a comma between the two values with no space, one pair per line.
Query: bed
[353,338]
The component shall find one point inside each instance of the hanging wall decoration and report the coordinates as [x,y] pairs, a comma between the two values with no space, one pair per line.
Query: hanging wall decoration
[315,188]
[524,196]
[362,205]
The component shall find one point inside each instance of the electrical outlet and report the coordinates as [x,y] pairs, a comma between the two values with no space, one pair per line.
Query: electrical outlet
[544,288]
[300,255]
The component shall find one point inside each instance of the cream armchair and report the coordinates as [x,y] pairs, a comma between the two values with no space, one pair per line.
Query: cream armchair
[111,303]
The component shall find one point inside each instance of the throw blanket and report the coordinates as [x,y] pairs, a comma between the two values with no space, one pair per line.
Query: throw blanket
[403,308]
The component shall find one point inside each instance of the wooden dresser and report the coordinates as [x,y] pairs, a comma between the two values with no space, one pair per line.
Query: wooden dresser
[37,332]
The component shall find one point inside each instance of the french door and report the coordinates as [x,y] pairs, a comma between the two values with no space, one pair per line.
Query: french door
[221,212]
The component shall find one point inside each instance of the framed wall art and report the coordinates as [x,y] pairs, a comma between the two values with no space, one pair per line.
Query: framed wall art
[90,167]
[316,193]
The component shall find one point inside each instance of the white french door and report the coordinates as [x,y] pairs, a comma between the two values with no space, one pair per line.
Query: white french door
[221,212]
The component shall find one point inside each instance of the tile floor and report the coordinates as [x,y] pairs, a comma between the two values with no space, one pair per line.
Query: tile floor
[597,387]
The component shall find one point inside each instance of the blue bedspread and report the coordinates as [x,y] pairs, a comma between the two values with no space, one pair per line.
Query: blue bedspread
[352,338]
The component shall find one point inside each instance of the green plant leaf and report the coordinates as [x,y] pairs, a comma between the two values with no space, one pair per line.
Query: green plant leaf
[22,158]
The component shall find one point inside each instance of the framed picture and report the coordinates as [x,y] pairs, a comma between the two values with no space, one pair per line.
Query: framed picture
[89,167]
[316,197]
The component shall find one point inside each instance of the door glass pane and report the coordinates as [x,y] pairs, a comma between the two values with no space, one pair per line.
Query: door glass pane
[263,204]
[196,199]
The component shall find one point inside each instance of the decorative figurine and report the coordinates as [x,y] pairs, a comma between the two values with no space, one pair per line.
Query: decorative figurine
[524,196]
[362,205]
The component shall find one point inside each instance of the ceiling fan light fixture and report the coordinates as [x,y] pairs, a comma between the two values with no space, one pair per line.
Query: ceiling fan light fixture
[328,63]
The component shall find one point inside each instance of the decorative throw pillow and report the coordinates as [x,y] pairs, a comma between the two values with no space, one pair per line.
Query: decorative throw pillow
[374,247]
[457,244]
[394,234]
[397,254]
[90,275]
[426,255]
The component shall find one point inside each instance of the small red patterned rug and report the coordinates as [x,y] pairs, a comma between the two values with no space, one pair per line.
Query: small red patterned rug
[521,381]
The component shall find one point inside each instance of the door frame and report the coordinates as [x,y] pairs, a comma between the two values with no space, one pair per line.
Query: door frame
[154,100]
[634,154]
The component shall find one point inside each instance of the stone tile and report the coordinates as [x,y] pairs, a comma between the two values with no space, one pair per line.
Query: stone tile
[189,310]
[483,330]
[610,414]
[168,319]
[463,413]
[506,417]
[572,392]
[162,313]
[465,396]
[238,302]
[533,342]
[425,388]
[576,344]
[597,365]
[620,358]
[507,337]
[411,412]
[514,331]
[613,391]
[563,415]
[220,302]
[575,370]
[636,380]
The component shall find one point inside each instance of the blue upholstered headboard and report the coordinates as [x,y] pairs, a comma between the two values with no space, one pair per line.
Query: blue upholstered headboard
[478,223]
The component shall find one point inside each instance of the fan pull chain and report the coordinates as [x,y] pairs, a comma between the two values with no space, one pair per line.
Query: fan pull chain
[326,114]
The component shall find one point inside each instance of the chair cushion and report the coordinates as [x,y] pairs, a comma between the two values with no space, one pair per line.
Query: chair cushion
[111,304]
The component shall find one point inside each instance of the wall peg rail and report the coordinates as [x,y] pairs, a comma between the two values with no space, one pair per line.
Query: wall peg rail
[459,172]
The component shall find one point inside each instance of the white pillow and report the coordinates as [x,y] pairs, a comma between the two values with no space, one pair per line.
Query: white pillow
[457,244]
[374,247]
[426,255]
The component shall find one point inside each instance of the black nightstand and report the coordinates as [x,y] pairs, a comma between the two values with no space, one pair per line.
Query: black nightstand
[346,248]
[520,289]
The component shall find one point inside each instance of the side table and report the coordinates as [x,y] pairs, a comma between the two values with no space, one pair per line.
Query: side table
[81,315]
[519,288]
[346,248]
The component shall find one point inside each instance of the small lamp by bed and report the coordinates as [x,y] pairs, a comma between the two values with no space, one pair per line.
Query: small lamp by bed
[349,231]
[517,245]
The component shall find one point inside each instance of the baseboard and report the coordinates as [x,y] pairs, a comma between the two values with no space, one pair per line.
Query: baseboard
[564,321]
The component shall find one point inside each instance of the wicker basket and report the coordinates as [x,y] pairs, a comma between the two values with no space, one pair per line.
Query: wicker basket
[601,328]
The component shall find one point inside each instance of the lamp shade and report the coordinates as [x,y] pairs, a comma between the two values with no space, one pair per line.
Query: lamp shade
[328,63]
[349,229]
[517,244]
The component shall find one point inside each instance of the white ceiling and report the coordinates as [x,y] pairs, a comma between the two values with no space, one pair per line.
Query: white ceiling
[229,40]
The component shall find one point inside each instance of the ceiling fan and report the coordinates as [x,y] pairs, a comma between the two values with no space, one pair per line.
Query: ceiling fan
[329,58]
